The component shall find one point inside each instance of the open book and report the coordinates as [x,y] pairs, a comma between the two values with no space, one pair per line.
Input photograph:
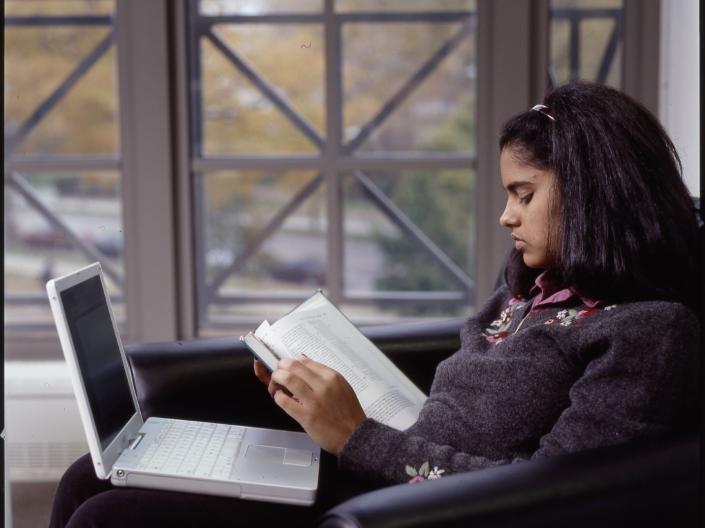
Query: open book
[319,330]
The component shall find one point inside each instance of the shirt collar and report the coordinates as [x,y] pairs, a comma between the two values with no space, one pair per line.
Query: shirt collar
[545,292]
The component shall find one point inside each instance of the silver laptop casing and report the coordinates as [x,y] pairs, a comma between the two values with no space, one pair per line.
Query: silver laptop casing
[271,465]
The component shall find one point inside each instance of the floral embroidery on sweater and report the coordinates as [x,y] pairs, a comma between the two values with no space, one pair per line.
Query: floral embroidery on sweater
[423,473]
[571,315]
[498,329]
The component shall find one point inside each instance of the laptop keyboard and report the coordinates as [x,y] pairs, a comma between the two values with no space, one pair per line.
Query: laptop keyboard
[194,448]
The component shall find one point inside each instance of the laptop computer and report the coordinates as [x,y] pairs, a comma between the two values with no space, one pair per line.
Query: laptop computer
[164,453]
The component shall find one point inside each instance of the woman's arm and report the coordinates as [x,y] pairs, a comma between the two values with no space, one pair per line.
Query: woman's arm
[634,387]
[642,384]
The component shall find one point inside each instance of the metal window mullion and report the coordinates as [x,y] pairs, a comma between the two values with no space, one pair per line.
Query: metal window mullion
[374,17]
[574,46]
[297,296]
[233,324]
[195,84]
[346,163]
[185,199]
[55,21]
[62,163]
[196,78]
[640,51]
[257,163]
[610,50]
[334,204]
[203,295]
[410,297]
[40,298]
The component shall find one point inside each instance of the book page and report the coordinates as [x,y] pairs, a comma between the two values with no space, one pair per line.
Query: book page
[320,331]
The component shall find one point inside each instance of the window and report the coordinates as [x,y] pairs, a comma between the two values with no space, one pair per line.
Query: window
[333,147]
[586,41]
[63,205]
[224,158]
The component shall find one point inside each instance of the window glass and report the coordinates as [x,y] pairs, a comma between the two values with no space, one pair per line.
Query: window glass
[286,197]
[63,205]
[437,101]
[39,243]
[403,5]
[258,7]
[408,243]
[254,259]
[238,116]
[60,91]
[586,41]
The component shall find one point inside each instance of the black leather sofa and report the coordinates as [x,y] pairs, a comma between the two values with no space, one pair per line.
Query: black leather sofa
[655,484]
[652,484]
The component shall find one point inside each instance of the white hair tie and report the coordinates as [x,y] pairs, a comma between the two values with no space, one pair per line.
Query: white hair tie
[543,109]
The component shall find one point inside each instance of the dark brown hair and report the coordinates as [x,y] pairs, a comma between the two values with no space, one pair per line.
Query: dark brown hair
[627,227]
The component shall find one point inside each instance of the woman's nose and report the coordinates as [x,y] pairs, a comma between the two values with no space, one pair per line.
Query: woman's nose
[508,218]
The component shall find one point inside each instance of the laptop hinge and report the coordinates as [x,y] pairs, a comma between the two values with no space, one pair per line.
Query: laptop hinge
[135,441]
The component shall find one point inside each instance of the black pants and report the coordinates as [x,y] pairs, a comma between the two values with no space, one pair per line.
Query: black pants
[83,500]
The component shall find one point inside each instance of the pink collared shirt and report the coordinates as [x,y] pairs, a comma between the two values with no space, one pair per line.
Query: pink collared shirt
[545,294]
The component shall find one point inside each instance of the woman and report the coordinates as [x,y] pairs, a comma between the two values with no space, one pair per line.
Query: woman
[590,344]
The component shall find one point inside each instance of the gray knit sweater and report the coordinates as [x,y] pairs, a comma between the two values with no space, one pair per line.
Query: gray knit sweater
[529,384]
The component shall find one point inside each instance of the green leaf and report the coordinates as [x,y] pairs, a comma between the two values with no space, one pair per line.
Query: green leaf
[423,471]
[411,471]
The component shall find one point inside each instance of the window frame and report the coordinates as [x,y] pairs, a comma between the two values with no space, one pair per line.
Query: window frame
[335,158]
[155,151]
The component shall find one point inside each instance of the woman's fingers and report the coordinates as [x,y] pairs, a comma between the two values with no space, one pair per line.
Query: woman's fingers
[319,369]
[291,405]
[275,387]
[302,370]
[295,383]
[262,373]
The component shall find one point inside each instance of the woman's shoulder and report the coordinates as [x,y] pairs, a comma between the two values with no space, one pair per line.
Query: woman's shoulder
[646,322]
[657,312]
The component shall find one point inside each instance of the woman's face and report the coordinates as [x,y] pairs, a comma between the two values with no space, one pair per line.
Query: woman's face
[527,212]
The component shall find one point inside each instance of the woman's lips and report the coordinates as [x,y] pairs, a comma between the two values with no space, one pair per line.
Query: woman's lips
[519,245]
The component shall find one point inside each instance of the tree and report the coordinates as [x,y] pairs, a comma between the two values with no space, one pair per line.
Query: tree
[441,204]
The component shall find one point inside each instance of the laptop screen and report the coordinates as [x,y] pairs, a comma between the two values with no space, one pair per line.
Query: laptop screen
[99,358]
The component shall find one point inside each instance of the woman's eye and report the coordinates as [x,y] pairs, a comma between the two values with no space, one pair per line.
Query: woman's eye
[526,198]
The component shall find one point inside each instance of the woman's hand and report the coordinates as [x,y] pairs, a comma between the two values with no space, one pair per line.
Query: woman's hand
[262,373]
[266,377]
[320,399]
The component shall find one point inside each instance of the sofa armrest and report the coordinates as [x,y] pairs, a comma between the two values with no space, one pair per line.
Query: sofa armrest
[617,486]
[212,379]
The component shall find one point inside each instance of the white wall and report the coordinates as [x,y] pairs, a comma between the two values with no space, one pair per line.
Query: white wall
[679,90]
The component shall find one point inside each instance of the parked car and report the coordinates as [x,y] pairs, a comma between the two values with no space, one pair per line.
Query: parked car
[303,271]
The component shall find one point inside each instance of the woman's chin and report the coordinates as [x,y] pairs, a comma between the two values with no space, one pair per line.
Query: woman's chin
[533,262]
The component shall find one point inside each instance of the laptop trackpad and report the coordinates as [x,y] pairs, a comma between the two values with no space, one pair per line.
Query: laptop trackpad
[298,457]
[272,454]
[265,454]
